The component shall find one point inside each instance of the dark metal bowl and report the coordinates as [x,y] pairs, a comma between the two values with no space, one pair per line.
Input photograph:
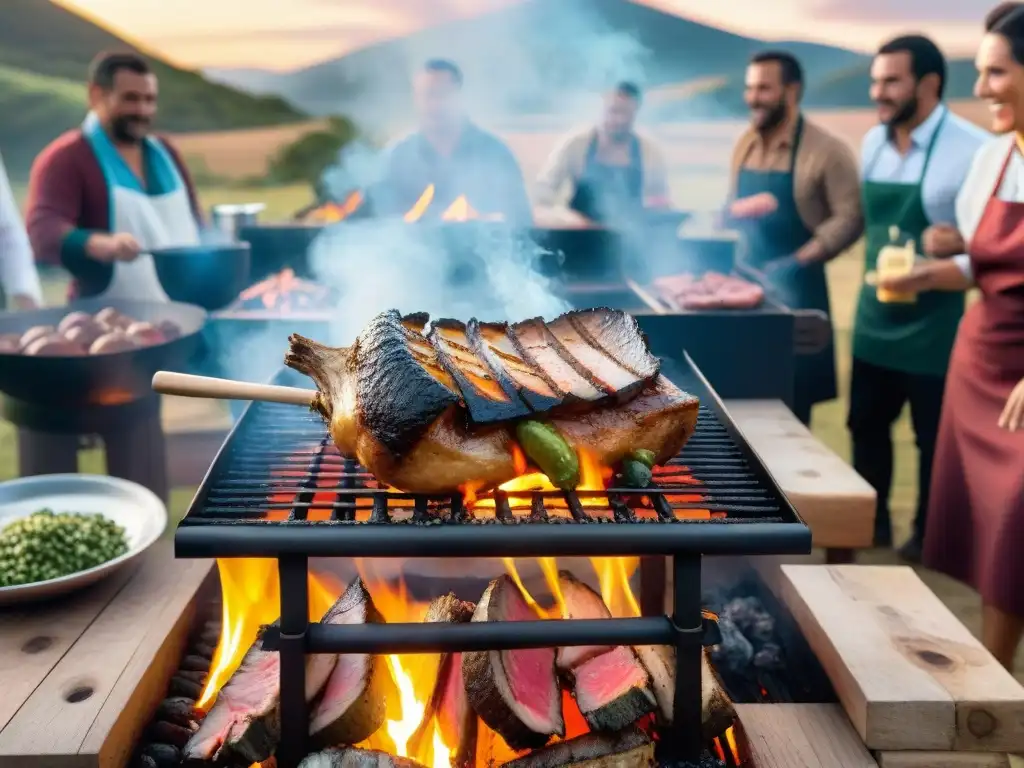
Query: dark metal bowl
[107,379]
[276,246]
[210,276]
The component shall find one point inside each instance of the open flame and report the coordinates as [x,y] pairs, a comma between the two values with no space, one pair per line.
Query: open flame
[331,213]
[285,291]
[420,206]
[459,210]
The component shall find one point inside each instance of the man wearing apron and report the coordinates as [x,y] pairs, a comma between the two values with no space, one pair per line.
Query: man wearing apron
[99,198]
[103,195]
[610,173]
[914,164]
[810,180]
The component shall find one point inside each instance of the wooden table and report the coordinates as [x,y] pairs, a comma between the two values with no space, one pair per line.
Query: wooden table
[836,502]
[81,676]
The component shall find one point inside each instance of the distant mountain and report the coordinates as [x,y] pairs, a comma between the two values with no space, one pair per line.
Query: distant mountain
[848,89]
[536,55]
[45,50]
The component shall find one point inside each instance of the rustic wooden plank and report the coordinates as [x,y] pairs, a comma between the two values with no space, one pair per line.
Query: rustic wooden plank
[801,736]
[913,759]
[106,682]
[836,502]
[34,639]
[909,674]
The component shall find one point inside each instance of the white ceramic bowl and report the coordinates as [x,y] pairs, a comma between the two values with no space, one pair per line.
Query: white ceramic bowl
[136,509]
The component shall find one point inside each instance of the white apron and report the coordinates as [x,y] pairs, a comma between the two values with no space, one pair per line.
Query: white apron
[160,217]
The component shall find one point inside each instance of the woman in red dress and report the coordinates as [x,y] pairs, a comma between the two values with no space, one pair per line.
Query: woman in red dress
[976,515]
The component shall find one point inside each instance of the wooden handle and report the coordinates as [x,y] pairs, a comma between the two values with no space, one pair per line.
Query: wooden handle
[186,385]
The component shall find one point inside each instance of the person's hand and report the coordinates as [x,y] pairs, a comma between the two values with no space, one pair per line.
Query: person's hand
[1012,417]
[754,207]
[942,241]
[111,248]
[23,302]
[915,281]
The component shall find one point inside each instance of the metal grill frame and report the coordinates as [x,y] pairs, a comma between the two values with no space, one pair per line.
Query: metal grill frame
[292,543]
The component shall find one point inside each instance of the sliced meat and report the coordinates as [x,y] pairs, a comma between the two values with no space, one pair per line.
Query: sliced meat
[449,704]
[352,706]
[350,757]
[618,335]
[539,347]
[515,693]
[393,407]
[630,748]
[611,376]
[580,602]
[609,684]
[717,711]
[491,342]
[244,720]
[483,393]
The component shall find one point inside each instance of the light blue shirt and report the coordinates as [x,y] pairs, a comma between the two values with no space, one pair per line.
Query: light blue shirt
[957,143]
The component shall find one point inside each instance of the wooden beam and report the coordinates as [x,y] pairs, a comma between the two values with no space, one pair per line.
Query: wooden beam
[908,673]
[943,760]
[89,711]
[801,736]
[836,502]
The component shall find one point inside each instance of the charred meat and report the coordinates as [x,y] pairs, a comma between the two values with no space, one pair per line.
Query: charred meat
[630,748]
[435,413]
[352,706]
[610,685]
[516,693]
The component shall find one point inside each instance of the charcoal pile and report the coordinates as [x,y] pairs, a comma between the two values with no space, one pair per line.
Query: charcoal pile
[762,656]
[176,718]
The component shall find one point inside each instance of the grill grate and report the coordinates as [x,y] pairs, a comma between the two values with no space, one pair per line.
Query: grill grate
[280,473]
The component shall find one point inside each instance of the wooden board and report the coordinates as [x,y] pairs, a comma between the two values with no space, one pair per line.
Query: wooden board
[908,673]
[91,707]
[836,502]
[943,760]
[801,736]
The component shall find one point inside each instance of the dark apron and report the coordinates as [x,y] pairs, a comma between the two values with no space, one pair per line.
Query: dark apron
[605,191]
[912,338]
[779,236]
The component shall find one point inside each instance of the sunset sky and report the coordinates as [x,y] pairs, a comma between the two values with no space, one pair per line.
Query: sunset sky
[286,34]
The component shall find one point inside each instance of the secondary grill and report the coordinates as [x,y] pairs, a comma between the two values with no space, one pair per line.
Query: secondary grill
[279,488]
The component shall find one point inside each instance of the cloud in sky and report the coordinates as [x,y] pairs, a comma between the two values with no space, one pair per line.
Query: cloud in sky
[903,11]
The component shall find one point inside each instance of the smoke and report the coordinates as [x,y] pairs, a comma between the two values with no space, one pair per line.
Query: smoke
[463,270]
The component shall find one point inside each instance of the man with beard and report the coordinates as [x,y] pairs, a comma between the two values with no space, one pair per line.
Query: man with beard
[914,163]
[102,195]
[796,199]
[450,153]
[607,170]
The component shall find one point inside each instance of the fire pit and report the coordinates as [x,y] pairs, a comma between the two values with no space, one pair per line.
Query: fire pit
[715,498]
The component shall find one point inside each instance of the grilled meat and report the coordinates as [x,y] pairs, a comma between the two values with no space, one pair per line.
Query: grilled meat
[430,414]
[516,693]
[631,748]
[609,684]
[352,706]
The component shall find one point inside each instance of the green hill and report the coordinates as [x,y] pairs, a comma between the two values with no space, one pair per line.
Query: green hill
[848,89]
[45,50]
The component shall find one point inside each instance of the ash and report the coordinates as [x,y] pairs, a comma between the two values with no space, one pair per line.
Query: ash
[762,655]
[707,761]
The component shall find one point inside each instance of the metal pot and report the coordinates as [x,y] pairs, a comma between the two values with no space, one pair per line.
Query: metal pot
[211,276]
[106,379]
[230,218]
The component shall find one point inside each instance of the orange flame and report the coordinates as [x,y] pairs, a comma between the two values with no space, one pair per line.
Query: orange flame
[420,206]
[727,741]
[330,213]
[460,210]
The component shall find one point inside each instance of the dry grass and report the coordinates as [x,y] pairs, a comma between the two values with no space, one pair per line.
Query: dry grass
[240,154]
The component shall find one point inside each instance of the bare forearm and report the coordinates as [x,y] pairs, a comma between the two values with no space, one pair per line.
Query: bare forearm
[945,275]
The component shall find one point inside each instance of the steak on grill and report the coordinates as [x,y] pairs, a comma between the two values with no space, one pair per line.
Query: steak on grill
[713,290]
[449,704]
[609,684]
[245,720]
[351,757]
[428,414]
[352,706]
[516,693]
[630,748]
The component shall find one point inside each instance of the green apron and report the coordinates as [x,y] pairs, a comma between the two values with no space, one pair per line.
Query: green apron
[913,338]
